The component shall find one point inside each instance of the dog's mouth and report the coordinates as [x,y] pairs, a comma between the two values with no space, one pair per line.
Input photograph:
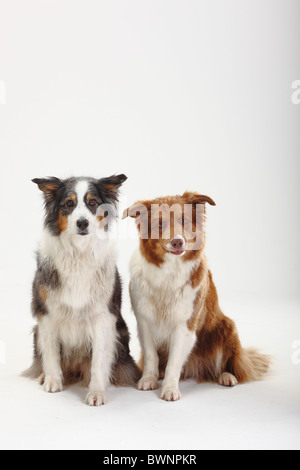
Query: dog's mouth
[176,252]
[83,233]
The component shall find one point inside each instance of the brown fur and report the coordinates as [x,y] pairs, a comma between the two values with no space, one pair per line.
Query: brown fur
[197,275]
[217,333]
[127,374]
[193,322]
[62,222]
[43,294]
[149,213]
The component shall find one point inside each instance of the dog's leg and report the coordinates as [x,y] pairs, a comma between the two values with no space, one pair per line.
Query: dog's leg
[181,345]
[149,380]
[49,349]
[103,351]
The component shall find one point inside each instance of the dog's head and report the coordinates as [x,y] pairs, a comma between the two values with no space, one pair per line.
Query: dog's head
[171,226]
[80,206]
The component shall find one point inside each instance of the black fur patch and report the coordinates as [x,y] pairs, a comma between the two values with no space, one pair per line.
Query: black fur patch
[46,277]
[108,188]
[125,370]
[115,309]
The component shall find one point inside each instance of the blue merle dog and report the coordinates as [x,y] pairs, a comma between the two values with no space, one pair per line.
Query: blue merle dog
[80,333]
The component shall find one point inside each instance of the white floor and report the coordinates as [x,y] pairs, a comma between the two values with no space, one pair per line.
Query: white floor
[263,415]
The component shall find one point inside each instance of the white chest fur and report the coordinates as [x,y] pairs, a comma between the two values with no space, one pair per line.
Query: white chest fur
[87,274]
[162,295]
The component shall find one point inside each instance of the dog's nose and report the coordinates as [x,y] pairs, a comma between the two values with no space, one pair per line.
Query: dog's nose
[177,243]
[82,224]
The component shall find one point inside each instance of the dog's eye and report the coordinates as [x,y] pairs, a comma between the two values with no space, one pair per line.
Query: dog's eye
[70,203]
[92,202]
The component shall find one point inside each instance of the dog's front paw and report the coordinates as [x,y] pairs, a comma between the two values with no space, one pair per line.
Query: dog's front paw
[227,380]
[170,394]
[53,384]
[96,399]
[148,383]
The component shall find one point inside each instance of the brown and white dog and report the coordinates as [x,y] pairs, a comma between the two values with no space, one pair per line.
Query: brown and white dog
[182,330]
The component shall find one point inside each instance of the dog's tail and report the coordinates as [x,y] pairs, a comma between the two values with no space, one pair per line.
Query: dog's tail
[126,373]
[35,370]
[250,365]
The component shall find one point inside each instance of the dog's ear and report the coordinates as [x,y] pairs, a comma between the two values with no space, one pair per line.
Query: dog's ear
[195,198]
[110,186]
[49,186]
[137,209]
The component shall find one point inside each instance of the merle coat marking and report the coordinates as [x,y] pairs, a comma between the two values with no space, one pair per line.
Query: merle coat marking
[80,333]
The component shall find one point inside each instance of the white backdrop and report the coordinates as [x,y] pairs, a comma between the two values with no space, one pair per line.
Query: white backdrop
[189,94]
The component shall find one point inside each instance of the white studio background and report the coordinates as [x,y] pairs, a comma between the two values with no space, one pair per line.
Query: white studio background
[190,94]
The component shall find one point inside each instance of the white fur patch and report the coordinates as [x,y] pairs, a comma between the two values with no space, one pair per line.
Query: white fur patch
[78,315]
[163,302]
[219,359]
[81,212]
